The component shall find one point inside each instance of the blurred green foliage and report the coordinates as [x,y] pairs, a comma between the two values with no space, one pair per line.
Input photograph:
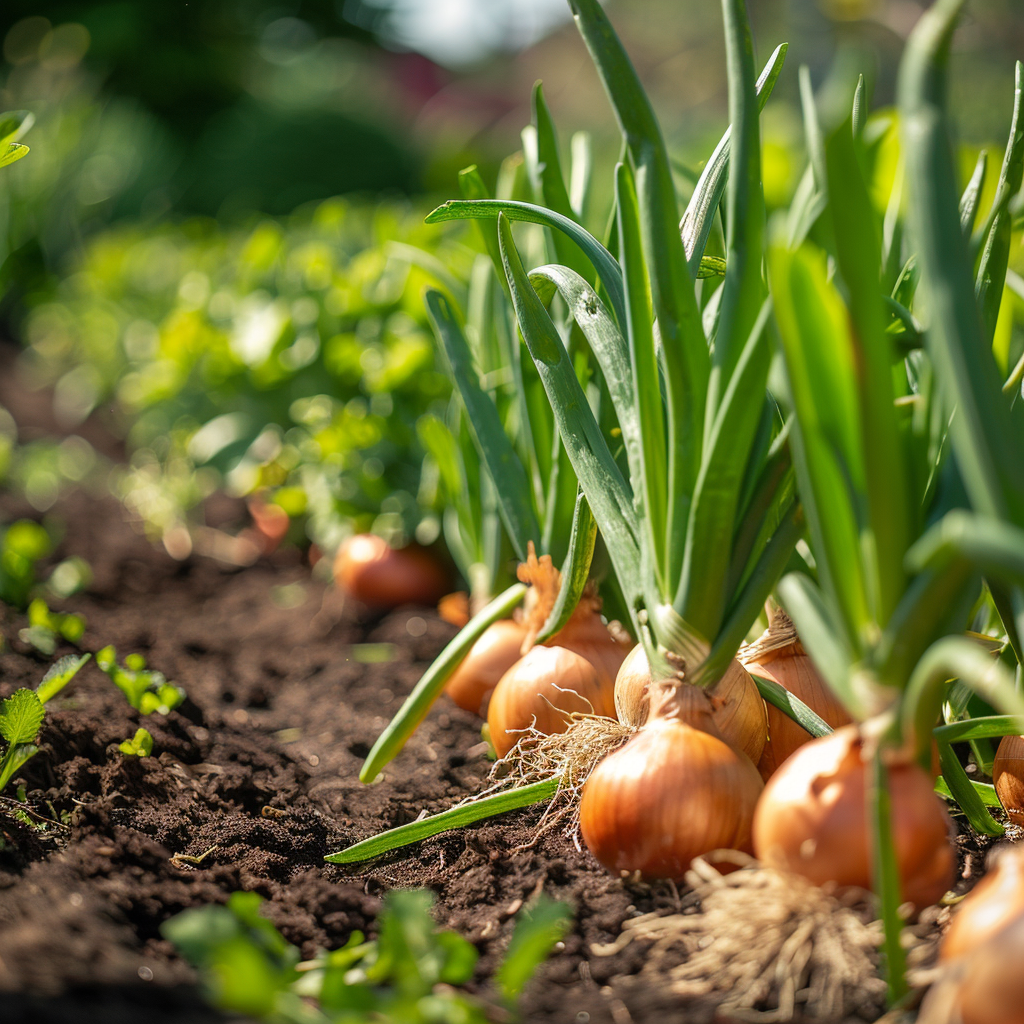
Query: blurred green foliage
[291,358]
[413,973]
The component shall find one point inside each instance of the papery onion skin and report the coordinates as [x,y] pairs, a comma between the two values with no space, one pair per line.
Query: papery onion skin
[588,636]
[454,608]
[370,570]
[812,820]
[540,691]
[992,986]
[1008,777]
[736,703]
[989,907]
[496,650]
[675,791]
[793,670]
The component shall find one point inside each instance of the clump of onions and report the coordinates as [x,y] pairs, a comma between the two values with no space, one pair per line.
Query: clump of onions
[675,791]
[780,657]
[1008,777]
[737,707]
[496,650]
[996,901]
[812,819]
[370,570]
[540,693]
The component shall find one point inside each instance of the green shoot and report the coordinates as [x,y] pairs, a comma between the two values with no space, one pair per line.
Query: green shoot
[145,689]
[140,745]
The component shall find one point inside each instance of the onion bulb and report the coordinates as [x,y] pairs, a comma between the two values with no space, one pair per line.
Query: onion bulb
[675,791]
[736,704]
[991,987]
[370,570]
[793,670]
[989,907]
[540,691]
[496,650]
[585,633]
[812,819]
[1008,777]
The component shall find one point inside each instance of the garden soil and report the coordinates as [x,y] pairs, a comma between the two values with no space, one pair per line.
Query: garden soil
[252,780]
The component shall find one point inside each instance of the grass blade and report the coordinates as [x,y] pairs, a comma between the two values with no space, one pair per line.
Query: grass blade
[488,432]
[415,707]
[445,821]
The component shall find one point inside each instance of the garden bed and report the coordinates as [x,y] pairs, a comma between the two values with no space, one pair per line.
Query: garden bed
[255,778]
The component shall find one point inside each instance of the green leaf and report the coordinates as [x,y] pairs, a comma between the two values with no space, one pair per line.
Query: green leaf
[14,124]
[607,493]
[707,194]
[575,569]
[674,301]
[59,674]
[965,795]
[14,151]
[996,253]
[607,269]
[701,598]
[488,432]
[14,757]
[885,471]
[885,875]
[538,928]
[983,431]
[21,715]
[606,342]
[654,462]
[820,371]
[415,707]
[779,697]
[140,745]
[454,817]
[972,195]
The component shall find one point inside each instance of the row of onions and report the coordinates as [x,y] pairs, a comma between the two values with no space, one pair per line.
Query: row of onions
[782,434]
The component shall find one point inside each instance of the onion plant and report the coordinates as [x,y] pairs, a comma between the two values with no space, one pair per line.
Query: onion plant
[500,454]
[696,502]
[867,441]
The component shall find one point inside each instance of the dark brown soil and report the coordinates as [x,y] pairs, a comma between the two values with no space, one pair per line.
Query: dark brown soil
[258,771]
[255,778]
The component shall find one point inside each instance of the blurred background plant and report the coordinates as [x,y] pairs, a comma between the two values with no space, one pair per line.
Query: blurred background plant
[153,269]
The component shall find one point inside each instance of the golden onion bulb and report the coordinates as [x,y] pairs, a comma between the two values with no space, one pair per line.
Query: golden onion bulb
[812,819]
[370,570]
[991,990]
[675,791]
[496,650]
[540,691]
[989,907]
[735,702]
[793,670]
[1008,777]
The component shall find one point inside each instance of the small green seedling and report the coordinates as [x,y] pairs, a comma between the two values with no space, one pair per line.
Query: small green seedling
[47,628]
[22,714]
[140,745]
[22,545]
[145,689]
[411,973]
